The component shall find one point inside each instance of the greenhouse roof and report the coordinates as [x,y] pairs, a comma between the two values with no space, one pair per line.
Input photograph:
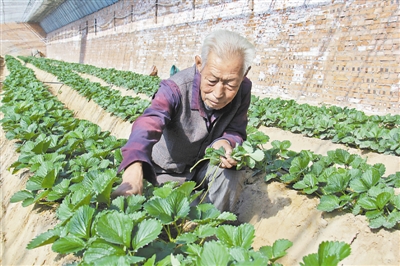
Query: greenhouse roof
[50,14]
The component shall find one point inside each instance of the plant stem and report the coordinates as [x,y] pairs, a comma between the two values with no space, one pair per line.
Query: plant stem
[199,161]
[168,231]
[209,185]
[202,181]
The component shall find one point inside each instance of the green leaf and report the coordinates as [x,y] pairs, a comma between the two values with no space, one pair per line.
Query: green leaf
[227,216]
[45,238]
[241,236]
[187,188]
[27,202]
[205,230]
[100,249]
[116,228]
[382,199]
[81,221]
[373,214]
[151,261]
[81,196]
[392,219]
[170,209]
[160,248]
[42,146]
[213,253]
[328,203]
[39,196]
[204,213]
[377,222]
[68,244]
[367,203]
[240,255]
[257,155]
[65,210]
[396,201]
[163,192]
[371,177]
[343,156]
[21,196]
[330,253]
[299,164]
[118,204]
[358,185]
[134,203]
[186,238]
[145,232]
[59,191]
[278,249]
[49,173]
[380,167]
[340,250]
[100,183]
[308,181]
[337,182]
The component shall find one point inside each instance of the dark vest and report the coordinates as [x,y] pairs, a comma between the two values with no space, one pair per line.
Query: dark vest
[186,137]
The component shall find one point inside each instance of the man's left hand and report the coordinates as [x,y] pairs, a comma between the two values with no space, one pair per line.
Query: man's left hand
[227,161]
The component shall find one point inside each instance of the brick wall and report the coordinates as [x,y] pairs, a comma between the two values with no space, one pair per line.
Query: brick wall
[317,51]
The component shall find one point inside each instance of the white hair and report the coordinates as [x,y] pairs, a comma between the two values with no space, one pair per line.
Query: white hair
[225,44]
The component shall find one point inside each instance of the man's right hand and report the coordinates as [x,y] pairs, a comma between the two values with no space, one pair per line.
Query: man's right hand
[132,181]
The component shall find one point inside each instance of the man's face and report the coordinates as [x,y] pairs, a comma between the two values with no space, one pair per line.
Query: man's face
[220,80]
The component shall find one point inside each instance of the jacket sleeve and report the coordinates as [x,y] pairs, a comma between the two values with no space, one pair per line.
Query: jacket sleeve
[147,129]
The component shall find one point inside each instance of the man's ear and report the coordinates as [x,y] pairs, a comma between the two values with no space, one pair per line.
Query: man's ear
[197,60]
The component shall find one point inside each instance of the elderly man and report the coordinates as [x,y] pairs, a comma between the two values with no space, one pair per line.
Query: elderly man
[202,106]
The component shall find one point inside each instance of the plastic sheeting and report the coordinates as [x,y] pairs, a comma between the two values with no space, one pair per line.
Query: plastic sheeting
[70,11]
[17,11]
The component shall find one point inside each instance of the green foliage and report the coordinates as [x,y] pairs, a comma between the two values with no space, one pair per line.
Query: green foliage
[340,125]
[74,166]
[127,108]
[329,254]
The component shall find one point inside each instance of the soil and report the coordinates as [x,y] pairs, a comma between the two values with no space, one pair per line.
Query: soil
[275,211]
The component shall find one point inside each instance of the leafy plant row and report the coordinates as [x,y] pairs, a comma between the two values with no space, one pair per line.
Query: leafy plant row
[144,84]
[128,108]
[346,197]
[73,165]
[341,125]
[341,180]
[378,133]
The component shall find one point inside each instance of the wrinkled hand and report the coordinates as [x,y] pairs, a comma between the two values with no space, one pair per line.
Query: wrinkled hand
[132,181]
[227,161]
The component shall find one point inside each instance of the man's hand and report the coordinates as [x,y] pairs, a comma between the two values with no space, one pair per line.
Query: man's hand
[132,181]
[227,161]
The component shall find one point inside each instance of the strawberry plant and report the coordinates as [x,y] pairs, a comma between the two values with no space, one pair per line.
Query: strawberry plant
[74,168]
[329,254]
[127,108]
[145,84]
[343,181]
[341,125]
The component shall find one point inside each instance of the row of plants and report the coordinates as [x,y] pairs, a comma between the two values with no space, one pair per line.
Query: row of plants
[139,83]
[73,168]
[342,181]
[315,174]
[126,107]
[378,133]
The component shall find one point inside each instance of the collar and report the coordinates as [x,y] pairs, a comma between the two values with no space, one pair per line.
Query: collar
[197,102]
